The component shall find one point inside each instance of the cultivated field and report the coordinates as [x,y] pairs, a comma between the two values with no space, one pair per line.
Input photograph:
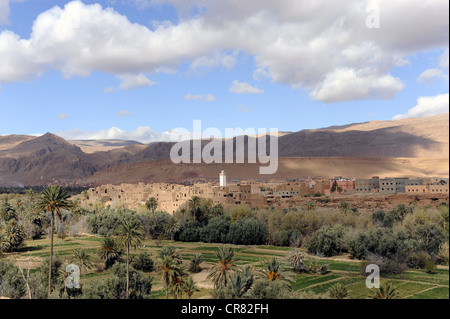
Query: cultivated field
[413,284]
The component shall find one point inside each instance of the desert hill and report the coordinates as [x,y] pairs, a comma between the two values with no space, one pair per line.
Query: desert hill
[289,167]
[93,146]
[408,147]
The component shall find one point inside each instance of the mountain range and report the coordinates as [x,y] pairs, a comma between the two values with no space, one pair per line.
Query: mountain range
[408,147]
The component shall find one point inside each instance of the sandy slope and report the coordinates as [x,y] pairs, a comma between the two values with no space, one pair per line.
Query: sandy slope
[164,170]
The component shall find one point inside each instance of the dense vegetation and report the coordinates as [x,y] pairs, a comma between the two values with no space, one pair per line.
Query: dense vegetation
[407,237]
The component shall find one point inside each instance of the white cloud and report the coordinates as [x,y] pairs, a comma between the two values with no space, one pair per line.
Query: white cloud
[349,84]
[428,76]
[207,98]
[133,81]
[130,82]
[443,60]
[243,88]
[123,113]
[62,116]
[427,106]
[204,64]
[300,43]
[143,134]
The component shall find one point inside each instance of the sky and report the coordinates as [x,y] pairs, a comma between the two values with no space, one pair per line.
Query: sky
[140,69]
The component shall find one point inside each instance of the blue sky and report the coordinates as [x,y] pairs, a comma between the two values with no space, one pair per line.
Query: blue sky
[136,69]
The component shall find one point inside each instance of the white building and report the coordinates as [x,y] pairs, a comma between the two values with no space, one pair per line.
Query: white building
[223,179]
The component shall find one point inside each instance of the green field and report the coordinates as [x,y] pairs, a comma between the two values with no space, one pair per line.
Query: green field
[413,284]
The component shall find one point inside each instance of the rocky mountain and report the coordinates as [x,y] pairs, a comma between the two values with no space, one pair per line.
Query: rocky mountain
[416,147]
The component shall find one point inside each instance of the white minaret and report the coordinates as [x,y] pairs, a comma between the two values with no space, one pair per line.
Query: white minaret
[223,179]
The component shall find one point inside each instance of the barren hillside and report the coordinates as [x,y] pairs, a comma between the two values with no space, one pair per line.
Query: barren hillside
[409,147]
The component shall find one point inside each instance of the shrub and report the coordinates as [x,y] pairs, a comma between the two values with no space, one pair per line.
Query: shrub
[190,231]
[265,289]
[381,241]
[248,231]
[431,236]
[386,265]
[216,231]
[12,284]
[442,256]
[143,262]
[381,219]
[328,241]
[430,267]
[114,287]
[418,260]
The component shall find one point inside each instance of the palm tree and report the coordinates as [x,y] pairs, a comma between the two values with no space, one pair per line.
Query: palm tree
[172,227]
[130,233]
[7,212]
[4,243]
[344,207]
[295,258]
[386,291]
[194,205]
[53,199]
[172,252]
[241,281]
[402,211]
[167,268]
[338,291]
[190,287]
[273,270]
[220,273]
[183,212]
[194,267]
[152,204]
[30,194]
[85,195]
[178,282]
[109,251]
[82,258]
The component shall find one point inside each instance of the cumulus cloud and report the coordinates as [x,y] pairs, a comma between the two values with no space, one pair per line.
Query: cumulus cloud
[348,84]
[143,134]
[427,106]
[428,76]
[133,81]
[244,88]
[130,82]
[204,64]
[308,44]
[206,98]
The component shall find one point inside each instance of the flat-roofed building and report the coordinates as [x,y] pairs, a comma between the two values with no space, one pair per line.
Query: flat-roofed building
[371,185]
[393,185]
[427,189]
